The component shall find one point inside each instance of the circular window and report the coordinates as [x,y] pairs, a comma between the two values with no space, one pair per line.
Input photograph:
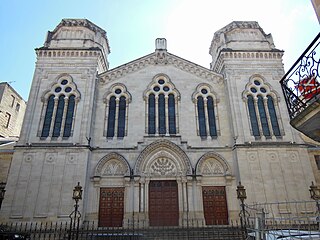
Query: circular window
[64,82]
[256,82]
[204,91]
[253,90]
[68,89]
[166,88]
[58,89]
[156,88]
[118,91]
[161,81]
[263,90]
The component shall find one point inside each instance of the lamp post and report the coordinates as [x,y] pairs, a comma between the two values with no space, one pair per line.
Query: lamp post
[242,195]
[315,195]
[75,215]
[2,191]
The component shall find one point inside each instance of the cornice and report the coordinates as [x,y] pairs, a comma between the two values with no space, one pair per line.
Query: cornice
[67,52]
[238,54]
[67,22]
[159,58]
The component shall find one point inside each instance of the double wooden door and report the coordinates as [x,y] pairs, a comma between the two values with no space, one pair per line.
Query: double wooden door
[215,205]
[111,207]
[163,203]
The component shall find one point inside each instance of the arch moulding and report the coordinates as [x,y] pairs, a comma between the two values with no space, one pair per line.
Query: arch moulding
[158,151]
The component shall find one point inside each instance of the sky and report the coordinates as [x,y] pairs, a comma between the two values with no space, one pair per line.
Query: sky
[133,25]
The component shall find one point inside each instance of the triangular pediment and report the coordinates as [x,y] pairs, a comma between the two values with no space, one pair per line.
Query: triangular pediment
[160,58]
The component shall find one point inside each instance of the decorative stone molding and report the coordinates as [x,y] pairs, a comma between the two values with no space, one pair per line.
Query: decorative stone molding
[113,164]
[229,54]
[162,149]
[212,164]
[155,58]
[44,52]
[163,166]
[80,23]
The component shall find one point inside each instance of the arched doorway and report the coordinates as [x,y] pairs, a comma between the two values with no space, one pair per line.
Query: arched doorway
[163,168]
[109,178]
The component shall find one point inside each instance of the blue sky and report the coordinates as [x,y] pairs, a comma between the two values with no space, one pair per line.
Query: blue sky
[133,25]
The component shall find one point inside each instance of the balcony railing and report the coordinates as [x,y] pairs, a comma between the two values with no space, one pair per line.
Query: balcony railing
[301,84]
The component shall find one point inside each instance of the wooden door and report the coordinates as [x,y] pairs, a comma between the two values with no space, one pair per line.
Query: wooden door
[163,203]
[215,205]
[111,207]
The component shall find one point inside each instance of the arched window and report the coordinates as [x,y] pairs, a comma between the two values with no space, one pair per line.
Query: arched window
[273,117]
[161,106]
[201,117]
[58,119]
[211,116]
[162,114]
[117,100]
[172,115]
[152,115]
[206,114]
[253,116]
[122,117]
[261,108]
[111,117]
[59,107]
[69,117]
[48,117]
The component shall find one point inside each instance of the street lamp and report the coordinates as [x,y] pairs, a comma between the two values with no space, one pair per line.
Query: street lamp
[315,194]
[242,195]
[2,191]
[75,215]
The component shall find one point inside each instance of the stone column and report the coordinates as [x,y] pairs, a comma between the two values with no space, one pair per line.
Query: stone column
[127,216]
[191,200]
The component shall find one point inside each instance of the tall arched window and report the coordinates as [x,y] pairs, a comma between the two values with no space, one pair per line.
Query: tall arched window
[69,117]
[273,117]
[201,117]
[253,116]
[211,116]
[161,105]
[48,117]
[58,119]
[117,100]
[111,117]
[152,114]
[122,117]
[172,115]
[206,111]
[59,107]
[262,111]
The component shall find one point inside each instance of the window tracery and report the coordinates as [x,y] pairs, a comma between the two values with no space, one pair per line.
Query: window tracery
[161,99]
[262,108]
[59,104]
[116,118]
[205,101]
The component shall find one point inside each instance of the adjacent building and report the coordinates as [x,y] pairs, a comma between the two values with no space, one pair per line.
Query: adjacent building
[160,139]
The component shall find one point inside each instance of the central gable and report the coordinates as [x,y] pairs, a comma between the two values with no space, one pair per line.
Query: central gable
[160,57]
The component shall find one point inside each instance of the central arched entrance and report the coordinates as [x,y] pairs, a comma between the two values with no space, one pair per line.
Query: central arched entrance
[163,203]
[163,167]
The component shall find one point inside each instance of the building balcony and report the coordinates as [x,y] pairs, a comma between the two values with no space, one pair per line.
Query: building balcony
[301,89]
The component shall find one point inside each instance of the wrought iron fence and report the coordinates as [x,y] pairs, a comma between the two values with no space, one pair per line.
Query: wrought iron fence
[137,230]
[301,85]
[277,220]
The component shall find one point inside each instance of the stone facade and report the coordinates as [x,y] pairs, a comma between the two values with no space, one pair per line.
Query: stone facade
[12,109]
[156,120]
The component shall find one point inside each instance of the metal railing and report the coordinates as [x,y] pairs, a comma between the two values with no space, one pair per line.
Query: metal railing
[191,230]
[301,85]
[280,219]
